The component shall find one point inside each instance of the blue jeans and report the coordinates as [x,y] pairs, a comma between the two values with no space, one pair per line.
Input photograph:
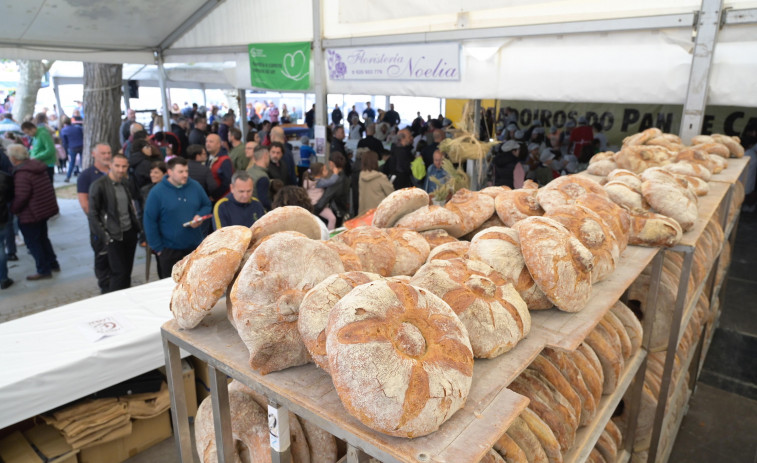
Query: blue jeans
[9,240]
[3,256]
[35,237]
[72,165]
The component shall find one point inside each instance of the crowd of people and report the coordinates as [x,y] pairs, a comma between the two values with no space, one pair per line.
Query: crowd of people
[167,190]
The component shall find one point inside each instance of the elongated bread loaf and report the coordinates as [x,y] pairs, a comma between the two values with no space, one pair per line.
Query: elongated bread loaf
[650,229]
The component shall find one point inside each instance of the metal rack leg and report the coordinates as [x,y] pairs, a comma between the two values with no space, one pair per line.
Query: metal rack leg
[278,430]
[178,401]
[219,392]
[355,455]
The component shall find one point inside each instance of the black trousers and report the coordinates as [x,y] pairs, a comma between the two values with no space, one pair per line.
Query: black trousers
[102,268]
[38,244]
[121,260]
[168,258]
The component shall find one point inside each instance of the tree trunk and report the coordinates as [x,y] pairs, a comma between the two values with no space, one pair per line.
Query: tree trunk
[102,107]
[29,82]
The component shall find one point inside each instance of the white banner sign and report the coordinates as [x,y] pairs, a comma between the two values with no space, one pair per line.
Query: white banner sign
[395,62]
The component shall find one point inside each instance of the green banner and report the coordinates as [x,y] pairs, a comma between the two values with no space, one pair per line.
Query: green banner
[280,66]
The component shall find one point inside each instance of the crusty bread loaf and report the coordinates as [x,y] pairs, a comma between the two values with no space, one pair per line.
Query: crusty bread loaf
[671,201]
[411,250]
[349,258]
[525,439]
[601,167]
[566,189]
[626,348]
[437,237]
[509,450]
[717,163]
[529,184]
[593,233]
[627,177]
[558,262]
[631,324]
[596,457]
[642,137]
[735,149]
[249,426]
[650,229]
[493,221]
[714,147]
[431,218]
[639,158]
[373,247]
[322,444]
[452,250]
[494,191]
[408,342]
[613,215]
[492,457]
[591,376]
[491,310]
[700,187]
[613,431]
[316,307]
[499,247]
[607,447]
[607,350]
[515,205]
[563,362]
[204,275]
[555,378]
[543,433]
[398,204]
[286,218]
[266,298]
[474,209]
[689,168]
[625,196]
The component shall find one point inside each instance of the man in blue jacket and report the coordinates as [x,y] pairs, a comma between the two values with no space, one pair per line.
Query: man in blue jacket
[176,200]
[239,207]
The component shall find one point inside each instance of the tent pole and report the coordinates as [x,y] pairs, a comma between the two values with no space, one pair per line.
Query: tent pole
[242,101]
[318,78]
[707,27]
[204,96]
[163,94]
[56,92]
[125,91]
[472,166]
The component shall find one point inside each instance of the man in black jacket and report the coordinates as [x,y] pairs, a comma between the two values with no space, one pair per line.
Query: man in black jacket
[113,219]
[198,171]
[6,196]
[337,196]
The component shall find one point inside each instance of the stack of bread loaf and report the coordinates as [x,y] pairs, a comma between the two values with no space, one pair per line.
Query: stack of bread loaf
[609,445]
[249,429]
[565,389]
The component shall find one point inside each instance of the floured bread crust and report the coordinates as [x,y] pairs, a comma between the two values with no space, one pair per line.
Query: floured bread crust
[267,294]
[373,247]
[202,277]
[349,257]
[431,218]
[566,189]
[286,218]
[398,204]
[411,250]
[515,205]
[399,357]
[437,237]
[474,209]
[451,250]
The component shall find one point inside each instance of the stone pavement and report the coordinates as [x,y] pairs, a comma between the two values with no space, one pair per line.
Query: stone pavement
[69,234]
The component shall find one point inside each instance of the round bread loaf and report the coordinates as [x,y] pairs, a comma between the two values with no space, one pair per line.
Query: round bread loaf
[631,324]
[322,444]
[474,209]
[718,164]
[515,205]
[700,187]
[521,434]
[286,218]
[249,426]
[626,177]
[431,218]
[625,196]
[452,250]
[398,204]
[639,158]
[696,156]
[558,262]
[373,247]
[602,167]
[492,457]
[410,344]
[573,374]
[555,378]
[626,348]
[509,450]
[529,184]
[494,191]
[499,247]
[349,258]
[607,447]
[736,150]
[542,432]
[266,298]
[411,250]
[613,215]
[650,229]
[613,431]
[642,137]
[566,189]
[493,221]
[316,307]
[437,237]
[491,310]
[714,147]
[689,168]
[595,457]
[593,233]
[671,201]
[206,273]
[609,355]
[591,376]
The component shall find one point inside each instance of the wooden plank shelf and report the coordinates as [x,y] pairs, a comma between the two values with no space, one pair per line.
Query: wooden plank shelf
[588,436]
[733,172]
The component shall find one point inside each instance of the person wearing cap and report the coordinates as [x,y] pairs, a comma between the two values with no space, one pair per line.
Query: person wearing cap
[504,161]
[580,137]
[532,162]
[529,132]
[544,173]
[509,132]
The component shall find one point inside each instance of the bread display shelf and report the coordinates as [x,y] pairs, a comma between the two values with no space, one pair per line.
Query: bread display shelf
[674,432]
[624,456]
[565,330]
[732,173]
[588,436]
[707,206]
[308,391]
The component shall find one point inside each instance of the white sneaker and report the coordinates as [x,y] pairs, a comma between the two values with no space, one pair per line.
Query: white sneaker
[20,241]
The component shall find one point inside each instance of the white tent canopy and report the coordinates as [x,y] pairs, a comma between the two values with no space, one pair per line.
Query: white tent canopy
[548,50]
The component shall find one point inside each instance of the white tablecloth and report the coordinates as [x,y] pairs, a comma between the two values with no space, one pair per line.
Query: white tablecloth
[46,361]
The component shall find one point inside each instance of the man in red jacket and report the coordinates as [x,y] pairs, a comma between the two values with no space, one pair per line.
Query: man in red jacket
[34,202]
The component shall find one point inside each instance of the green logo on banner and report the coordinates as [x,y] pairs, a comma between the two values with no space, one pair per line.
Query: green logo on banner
[280,66]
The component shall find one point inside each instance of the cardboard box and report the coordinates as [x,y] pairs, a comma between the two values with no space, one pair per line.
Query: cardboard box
[190,386]
[14,448]
[144,434]
[50,446]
